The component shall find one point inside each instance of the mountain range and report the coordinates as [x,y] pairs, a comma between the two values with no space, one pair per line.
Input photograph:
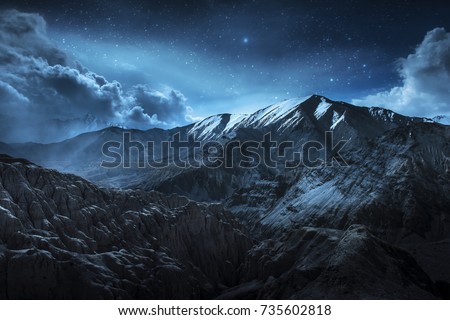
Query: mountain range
[368,220]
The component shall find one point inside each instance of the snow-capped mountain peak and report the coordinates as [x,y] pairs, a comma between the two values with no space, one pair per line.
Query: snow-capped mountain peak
[225,123]
[317,111]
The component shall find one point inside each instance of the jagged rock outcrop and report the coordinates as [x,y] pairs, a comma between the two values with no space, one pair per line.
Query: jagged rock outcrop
[62,237]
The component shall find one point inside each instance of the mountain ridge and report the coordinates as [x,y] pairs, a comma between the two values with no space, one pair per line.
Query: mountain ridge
[388,200]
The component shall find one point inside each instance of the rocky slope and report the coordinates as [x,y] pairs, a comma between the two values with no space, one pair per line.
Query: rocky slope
[318,263]
[62,237]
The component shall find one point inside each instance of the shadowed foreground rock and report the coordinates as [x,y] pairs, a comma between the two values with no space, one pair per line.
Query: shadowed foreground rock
[312,263]
[62,237]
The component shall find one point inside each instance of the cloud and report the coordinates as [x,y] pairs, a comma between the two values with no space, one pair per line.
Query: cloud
[68,91]
[25,34]
[426,80]
[10,98]
[139,119]
[166,105]
[44,97]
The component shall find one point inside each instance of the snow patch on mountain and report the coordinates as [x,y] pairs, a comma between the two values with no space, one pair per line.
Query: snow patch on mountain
[264,117]
[296,118]
[384,114]
[336,119]
[235,120]
[321,108]
[315,195]
[273,113]
[207,126]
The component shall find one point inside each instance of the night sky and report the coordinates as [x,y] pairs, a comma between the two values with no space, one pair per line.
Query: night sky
[210,57]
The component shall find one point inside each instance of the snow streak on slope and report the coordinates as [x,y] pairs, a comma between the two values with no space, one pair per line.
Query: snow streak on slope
[321,108]
[235,120]
[336,120]
[224,124]
[207,126]
[273,113]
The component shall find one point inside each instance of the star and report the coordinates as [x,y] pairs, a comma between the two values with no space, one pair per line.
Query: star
[245,40]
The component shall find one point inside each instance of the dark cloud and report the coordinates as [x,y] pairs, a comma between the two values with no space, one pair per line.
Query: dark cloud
[45,98]
[25,34]
[426,79]
[70,91]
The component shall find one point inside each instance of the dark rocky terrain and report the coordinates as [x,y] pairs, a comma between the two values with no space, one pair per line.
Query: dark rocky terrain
[63,237]
[377,228]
